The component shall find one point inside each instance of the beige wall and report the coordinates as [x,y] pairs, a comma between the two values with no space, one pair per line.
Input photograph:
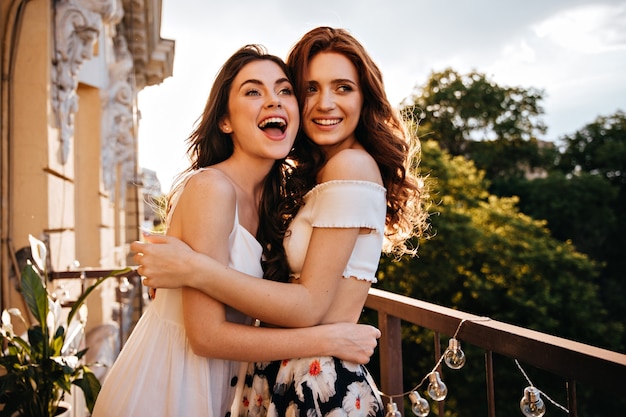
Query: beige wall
[87,205]
[62,204]
[29,185]
[70,205]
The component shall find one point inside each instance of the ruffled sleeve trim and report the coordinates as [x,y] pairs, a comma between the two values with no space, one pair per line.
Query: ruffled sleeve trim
[348,203]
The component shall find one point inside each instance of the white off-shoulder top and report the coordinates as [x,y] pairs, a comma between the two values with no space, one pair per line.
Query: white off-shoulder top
[342,204]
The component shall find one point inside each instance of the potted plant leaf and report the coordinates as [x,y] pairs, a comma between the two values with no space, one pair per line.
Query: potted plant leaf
[38,368]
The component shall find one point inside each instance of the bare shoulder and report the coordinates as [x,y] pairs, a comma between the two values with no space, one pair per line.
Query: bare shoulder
[209,188]
[211,180]
[351,164]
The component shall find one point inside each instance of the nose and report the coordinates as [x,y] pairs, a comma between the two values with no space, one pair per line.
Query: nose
[274,101]
[326,100]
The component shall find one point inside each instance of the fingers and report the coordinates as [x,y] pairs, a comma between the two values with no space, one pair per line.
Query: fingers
[143,248]
[378,333]
[137,258]
[149,238]
[137,246]
[155,238]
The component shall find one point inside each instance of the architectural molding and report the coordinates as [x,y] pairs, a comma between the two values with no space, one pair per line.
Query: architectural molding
[77,25]
[145,60]
[153,56]
[118,125]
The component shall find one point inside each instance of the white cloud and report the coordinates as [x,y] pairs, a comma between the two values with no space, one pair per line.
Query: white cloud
[521,52]
[591,29]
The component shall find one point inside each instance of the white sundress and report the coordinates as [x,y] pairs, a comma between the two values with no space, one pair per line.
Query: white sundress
[158,375]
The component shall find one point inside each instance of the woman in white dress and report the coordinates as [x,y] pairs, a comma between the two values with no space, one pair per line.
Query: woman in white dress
[182,357]
[358,197]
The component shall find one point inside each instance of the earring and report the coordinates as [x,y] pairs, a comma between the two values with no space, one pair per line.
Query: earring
[226,129]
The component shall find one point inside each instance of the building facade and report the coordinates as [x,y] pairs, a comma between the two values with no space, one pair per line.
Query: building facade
[71,72]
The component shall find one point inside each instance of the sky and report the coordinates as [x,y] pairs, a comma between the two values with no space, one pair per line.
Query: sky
[573,50]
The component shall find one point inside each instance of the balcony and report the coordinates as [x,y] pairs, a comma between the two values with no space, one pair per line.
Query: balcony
[600,370]
[570,362]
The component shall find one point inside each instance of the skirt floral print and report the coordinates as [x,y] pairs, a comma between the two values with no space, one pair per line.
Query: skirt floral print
[309,387]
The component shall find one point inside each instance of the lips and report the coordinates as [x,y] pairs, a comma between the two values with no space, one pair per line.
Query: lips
[326,122]
[273,125]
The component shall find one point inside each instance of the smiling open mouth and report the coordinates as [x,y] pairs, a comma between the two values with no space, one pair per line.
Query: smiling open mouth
[326,122]
[277,123]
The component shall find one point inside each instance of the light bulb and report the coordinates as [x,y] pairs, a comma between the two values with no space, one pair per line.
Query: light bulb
[531,403]
[419,405]
[392,410]
[436,388]
[454,356]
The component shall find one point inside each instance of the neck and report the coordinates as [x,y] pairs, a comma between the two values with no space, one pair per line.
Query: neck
[249,177]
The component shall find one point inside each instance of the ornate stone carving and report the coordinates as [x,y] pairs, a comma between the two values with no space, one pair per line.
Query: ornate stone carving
[118,133]
[78,24]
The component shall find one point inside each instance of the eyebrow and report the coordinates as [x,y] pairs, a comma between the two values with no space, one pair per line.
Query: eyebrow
[259,82]
[337,81]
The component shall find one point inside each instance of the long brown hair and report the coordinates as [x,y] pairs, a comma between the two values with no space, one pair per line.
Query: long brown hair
[208,145]
[380,130]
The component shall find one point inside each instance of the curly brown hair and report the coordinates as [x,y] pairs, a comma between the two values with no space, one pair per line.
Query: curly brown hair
[381,131]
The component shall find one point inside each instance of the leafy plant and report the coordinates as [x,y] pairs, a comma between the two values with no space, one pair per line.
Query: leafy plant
[38,368]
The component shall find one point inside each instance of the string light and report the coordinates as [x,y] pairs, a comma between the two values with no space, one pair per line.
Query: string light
[454,357]
[437,390]
[531,403]
[392,410]
[419,405]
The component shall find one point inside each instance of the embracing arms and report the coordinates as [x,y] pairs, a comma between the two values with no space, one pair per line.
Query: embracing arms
[172,264]
[205,225]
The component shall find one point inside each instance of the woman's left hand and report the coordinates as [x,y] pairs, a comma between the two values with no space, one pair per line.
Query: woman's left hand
[164,261]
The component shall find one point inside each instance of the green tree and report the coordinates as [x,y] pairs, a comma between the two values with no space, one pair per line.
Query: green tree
[584,200]
[503,160]
[599,148]
[456,109]
[497,128]
[488,258]
[579,208]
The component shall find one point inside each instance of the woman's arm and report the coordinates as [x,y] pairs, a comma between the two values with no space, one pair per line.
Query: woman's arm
[347,341]
[206,226]
[289,305]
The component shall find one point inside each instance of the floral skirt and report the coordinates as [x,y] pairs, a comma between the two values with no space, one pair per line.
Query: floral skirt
[307,387]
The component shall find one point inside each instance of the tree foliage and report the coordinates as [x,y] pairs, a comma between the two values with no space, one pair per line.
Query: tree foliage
[577,186]
[513,159]
[488,258]
[455,109]
[579,208]
[583,198]
[599,148]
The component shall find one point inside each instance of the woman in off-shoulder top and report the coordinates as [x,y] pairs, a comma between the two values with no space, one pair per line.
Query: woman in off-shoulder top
[353,195]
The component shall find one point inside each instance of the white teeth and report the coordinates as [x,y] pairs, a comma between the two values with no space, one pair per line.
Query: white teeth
[327,122]
[277,120]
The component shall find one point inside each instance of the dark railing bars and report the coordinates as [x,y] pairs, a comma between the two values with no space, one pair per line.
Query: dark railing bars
[573,361]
